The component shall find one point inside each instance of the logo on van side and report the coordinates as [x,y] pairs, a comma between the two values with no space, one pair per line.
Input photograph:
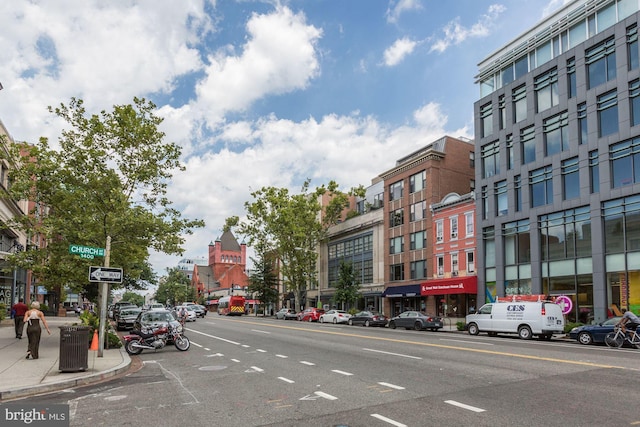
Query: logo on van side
[515,307]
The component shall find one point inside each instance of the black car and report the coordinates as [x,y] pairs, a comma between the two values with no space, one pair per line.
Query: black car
[416,320]
[368,318]
[126,317]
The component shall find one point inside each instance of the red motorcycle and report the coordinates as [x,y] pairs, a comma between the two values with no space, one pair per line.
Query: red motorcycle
[155,340]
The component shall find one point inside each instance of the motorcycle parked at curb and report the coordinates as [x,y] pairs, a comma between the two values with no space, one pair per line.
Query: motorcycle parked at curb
[155,340]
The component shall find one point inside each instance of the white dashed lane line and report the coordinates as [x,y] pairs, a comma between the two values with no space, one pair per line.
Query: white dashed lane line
[392,354]
[304,362]
[464,406]
[341,372]
[282,356]
[397,387]
[388,420]
[286,380]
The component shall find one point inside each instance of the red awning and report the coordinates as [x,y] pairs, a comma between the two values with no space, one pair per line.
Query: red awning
[455,285]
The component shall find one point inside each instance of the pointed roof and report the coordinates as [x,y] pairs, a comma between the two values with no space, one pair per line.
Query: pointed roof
[228,242]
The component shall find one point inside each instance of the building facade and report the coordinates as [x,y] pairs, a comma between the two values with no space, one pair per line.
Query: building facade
[419,180]
[15,283]
[557,132]
[453,282]
[357,241]
[225,273]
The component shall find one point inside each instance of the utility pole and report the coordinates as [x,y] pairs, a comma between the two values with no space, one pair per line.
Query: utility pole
[103,291]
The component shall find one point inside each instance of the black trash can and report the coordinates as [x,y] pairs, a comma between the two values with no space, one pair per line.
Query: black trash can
[74,348]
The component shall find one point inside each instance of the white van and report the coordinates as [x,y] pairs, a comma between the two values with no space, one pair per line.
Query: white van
[526,319]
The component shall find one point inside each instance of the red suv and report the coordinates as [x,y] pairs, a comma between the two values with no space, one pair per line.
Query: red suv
[310,314]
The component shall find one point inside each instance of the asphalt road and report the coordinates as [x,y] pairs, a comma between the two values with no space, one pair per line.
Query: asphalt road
[265,372]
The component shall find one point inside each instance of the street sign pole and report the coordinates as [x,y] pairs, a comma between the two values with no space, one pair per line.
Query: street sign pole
[104,291]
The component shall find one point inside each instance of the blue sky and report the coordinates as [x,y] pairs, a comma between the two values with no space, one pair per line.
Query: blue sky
[259,93]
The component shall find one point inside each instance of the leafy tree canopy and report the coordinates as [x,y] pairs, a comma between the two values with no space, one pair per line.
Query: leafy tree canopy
[263,281]
[348,286]
[175,288]
[290,227]
[108,178]
[134,298]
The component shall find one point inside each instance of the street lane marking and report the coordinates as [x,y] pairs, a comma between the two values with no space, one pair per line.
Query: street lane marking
[463,406]
[259,350]
[214,337]
[286,380]
[282,356]
[392,354]
[196,344]
[444,346]
[245,346]
[235,360]
[467,342]
[304,362]
[388,420]
[341,372]
[255,368]
[397,387]
[259,331]
[325,395]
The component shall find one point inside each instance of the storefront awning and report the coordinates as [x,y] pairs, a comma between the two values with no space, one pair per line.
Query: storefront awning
[401,291]
[455,285]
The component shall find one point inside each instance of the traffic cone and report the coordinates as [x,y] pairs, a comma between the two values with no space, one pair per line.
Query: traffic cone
[94,341]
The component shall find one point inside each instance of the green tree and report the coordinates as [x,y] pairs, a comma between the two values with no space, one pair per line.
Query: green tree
[134,298]
[291,226]
[263,281]
[108,178]
[348,286]
[175,288]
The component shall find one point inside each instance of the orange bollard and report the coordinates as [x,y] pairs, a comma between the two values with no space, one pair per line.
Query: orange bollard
[94,341]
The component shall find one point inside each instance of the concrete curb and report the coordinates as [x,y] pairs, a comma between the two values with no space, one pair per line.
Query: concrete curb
[92,378]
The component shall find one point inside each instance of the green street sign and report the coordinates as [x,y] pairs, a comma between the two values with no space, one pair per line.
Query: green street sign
[86,252]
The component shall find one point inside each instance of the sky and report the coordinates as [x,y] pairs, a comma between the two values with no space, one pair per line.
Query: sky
[258,93]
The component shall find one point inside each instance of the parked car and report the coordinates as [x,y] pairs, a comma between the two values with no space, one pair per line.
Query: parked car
[283,312]
[117,306]
[416,320]
[310,314]
[151,319]
[200,310]
[335,316]
[593,334]
[368,318]
[156,306]
[126,317]
[191,312]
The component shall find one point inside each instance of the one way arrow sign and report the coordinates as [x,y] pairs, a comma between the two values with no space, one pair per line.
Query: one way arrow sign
[105,274]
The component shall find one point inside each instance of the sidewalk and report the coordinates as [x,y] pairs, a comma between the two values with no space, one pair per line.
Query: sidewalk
[20,377]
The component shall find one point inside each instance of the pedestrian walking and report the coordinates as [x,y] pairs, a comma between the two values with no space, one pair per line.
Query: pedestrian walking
[32,318]
[19,309]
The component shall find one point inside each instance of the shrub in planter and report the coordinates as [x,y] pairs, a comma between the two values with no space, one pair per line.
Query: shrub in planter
[461,326]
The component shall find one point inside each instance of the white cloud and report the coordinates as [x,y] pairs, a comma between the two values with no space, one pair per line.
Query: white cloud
[279,57]
[278,152]
[455,33]
[398,51]
[395,10]
[101,52]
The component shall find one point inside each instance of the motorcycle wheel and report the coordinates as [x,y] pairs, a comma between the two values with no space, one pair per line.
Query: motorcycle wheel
[131,349]
[182,343]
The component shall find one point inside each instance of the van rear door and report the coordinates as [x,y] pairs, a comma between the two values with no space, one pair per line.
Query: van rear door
[552,318]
